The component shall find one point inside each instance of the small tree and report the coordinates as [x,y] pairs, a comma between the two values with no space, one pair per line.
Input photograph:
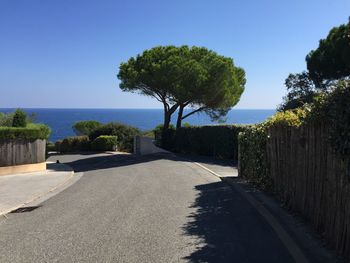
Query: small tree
[85,127]
[19,119]
[331,60]
[301,90]
[182,76]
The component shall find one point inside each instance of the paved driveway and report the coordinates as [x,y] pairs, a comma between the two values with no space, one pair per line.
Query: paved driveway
[141,209]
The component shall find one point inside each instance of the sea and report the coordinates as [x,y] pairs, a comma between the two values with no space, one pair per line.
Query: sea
[61,120]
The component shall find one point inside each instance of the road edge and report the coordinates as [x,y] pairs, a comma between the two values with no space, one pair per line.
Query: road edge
[292,247]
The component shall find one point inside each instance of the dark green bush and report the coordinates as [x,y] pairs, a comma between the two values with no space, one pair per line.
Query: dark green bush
[74,144]
[58,145]
[253,156]
[19,119]
[105,143]
[219,141]
[30,132]
[50,146]
[124,133]
[85,127]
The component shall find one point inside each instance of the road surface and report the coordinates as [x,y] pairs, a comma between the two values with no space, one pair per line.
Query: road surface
[141,209]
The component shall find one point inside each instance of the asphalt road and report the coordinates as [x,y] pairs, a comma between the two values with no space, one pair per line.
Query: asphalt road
[141,209]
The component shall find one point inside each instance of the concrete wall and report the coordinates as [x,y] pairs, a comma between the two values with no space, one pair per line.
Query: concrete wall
[20,152]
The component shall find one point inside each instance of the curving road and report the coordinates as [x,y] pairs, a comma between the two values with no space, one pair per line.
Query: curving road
[141,209]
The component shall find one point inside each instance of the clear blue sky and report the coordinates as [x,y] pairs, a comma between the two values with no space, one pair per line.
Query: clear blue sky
[66,53]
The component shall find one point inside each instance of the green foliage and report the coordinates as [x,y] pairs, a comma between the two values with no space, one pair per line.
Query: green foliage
[58,145]
[6,119]
[331,60]
[253,161]
[334,109]
[19,119]
[301,90]
[184,76]
[219,141]
[50,146]
[30,132]
[288,118]
[74,144]
[124,133]
[85,127]
[253,164]
[148,133]
[105,143]
[159,128]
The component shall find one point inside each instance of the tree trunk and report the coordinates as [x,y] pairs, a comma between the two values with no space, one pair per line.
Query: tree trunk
[179,116]
[166,124]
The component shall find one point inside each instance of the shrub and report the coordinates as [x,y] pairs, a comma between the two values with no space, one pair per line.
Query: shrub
[105,143]
[124,133]
[30,132]
[253,156]
[333,109]
[85,127]
[253,161]
[50,147]
[219,141]
[19,119]
[168,142]
[58,145]
[6,119]
[75,144]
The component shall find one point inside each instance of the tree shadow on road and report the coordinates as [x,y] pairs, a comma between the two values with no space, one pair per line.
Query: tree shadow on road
[83,162]
[232,230]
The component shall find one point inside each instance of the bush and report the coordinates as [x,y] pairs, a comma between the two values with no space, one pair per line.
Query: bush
[219,141]
[74,144]
[253,161]
[30,132]
[253,156]
[58,145]
[19,119]
[85,127]
[50,147]
[333,109]
[124,133]
[105,143]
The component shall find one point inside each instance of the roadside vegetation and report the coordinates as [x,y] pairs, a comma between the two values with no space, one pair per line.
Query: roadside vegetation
[96,136]
[18,125]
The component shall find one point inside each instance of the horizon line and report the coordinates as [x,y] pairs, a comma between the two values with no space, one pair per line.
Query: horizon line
[64,108]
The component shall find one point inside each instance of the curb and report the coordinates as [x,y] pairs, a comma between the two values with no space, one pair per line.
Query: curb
[282,234]
[35,197]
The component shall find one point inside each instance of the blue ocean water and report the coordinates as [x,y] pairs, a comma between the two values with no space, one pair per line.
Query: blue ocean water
[61,120]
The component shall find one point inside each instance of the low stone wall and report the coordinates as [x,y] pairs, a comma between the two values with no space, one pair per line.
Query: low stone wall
[21,153]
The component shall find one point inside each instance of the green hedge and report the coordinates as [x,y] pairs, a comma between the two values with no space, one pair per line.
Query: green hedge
[73,144]
[220,141]
[253,161]
[104,143]
[253,156]
[30,132]
[124,133]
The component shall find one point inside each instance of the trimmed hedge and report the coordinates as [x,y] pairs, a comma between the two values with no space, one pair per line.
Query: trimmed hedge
[220,141]
[30,132]
[124,133]
[105,143]
[73,144]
